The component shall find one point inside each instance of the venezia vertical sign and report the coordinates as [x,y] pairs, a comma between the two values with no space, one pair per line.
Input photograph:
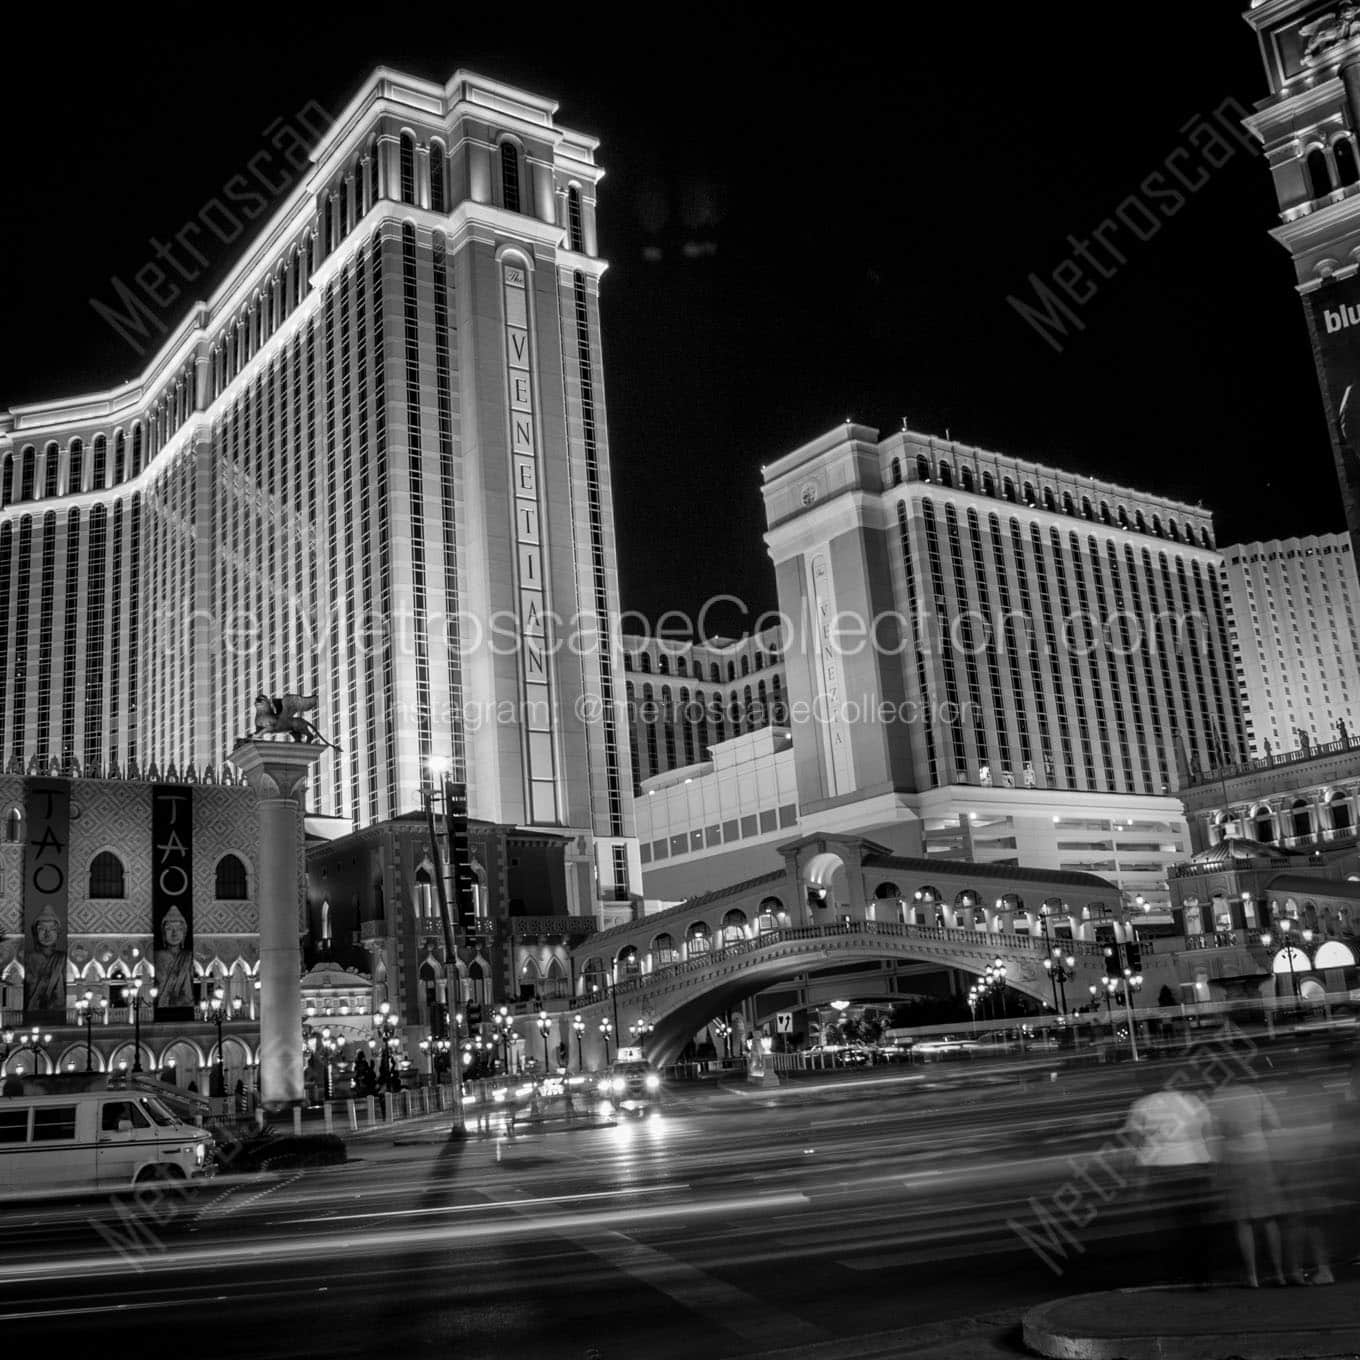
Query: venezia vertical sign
[46,897]
[172,899]
[531,583]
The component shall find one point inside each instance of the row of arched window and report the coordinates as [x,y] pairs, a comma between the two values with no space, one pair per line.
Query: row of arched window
[1332,167]
[108,875]
[109,461]
[1047,499]
[643,663]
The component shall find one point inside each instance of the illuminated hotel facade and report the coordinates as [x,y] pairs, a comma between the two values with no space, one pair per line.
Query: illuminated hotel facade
[374,467]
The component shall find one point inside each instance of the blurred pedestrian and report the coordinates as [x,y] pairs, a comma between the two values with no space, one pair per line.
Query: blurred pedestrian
[1309,1180]
[1168,1130]
[1243,1122]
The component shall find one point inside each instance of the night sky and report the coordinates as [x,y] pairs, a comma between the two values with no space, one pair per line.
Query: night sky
[803,224]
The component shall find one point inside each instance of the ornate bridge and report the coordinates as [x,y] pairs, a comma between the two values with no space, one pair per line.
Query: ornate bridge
[681,997]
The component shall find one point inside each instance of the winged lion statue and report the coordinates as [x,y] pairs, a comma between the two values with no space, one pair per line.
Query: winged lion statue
[285,714]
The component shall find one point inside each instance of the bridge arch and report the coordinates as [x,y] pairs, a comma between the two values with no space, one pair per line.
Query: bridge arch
[681,1000]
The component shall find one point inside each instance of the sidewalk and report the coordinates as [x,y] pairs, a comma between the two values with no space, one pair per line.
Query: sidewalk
[1189,1324]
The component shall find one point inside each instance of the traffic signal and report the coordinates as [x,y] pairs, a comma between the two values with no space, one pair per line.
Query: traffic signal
[460,857]
[1133,956]
[1114,964]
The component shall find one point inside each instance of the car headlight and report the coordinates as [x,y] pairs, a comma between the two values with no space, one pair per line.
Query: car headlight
[620,1086]
[200,1152]
[653,1082]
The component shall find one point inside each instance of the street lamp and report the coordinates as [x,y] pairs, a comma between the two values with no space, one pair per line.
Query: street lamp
[578,1023]
[639,1030]
[331,1045]
[999,973]
[132,996]
[1133,984]
[724,1032]
[86,1008]
[505,1027]
[544,1028]
[385,1025]
[440,767]
[216,1009]
[606,1029]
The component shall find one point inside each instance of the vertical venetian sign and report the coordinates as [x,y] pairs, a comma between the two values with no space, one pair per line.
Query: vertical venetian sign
[172,899]
[525,467]
[46,873]
[1334,316]
[832,719]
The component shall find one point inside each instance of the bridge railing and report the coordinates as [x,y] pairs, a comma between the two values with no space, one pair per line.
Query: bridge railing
[698,963]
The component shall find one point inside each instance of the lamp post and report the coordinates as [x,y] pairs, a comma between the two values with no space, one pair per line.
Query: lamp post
[132,996]
[32,1041]
[639,1030]
[973,998]
[606,1029]
[440,766]
[217,1010]
[545,1029]
[1048,957]
[432,1048]
[1133,984]
[385,1024]
[86,1007]
[724,1032]
[505,1027]
[999,973]
[578,1023]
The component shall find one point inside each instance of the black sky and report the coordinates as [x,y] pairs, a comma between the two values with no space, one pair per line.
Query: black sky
[803,223]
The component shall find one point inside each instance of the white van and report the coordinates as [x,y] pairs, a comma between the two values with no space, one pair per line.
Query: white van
[95,1140]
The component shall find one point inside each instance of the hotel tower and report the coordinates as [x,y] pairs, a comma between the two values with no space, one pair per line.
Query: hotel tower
[372,467]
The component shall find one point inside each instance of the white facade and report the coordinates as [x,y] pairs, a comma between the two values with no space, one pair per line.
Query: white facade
[1291,607]
[722,821]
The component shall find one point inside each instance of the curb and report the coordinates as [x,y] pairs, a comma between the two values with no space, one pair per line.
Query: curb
[1044,1333]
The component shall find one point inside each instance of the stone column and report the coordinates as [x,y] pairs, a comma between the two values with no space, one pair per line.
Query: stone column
[277,771]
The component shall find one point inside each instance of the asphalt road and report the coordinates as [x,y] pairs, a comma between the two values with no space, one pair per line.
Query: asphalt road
[851,1215]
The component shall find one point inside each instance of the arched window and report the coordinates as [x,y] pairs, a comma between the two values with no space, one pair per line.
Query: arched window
[1173,530]
[1338,805]
[1029,493]
[1050,501]
[1123,517]
[325,921]
[627,964]
[576,238]
[231,883]
[1206,539]
[681,666]
[437,193]
[1263,825]
[698,940]
[408,170]
[663,664]
[14,826]
[28,473]
[733,927]
[509,177]
[645,663]
[746,665]
[1319,173]
[424,893]
[714,674]
[966,478]
[988,484]
[1140,522]
[1302,818]
[1008,489]
[664,952]
[922,468]
[1086,511]
[1105,515]
[946,474]
[75,469]
[119,458]
[98,469]
[137,446]
[896,466]
[50,471]
[1069,505]
[1343,150]
[1157,526]
[373,190]
[106,876]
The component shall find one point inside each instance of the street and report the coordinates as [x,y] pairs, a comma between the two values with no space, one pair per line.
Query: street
[738,1222]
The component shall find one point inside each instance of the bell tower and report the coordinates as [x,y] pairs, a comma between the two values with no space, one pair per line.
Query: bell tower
[1308,126]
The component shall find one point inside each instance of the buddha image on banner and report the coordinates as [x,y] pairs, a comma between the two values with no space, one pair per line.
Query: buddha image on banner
[46,866]
[172,900]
